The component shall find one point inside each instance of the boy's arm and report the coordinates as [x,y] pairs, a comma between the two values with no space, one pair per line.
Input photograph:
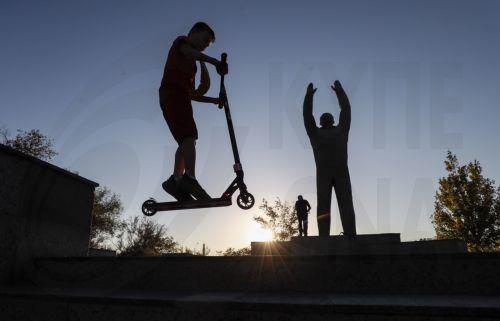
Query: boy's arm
[309,121]
[205,99]
[187,50]
[199,93]
[308,206]
[204,81]
[345,107]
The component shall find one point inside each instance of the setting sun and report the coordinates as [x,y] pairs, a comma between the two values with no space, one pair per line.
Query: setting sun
[259,234]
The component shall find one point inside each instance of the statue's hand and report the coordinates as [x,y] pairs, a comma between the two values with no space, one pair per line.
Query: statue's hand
[341,95]
[310,89]
[337,87]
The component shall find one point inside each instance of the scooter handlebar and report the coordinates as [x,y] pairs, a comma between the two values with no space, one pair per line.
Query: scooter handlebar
[222,94]
[223,65]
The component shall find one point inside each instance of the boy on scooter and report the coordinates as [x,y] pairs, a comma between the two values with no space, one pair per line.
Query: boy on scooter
[176,92]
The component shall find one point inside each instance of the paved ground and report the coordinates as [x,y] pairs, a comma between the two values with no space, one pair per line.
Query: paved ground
[284,300]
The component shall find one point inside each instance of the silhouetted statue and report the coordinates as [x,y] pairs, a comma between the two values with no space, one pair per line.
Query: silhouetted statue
[329,145]
[302,208]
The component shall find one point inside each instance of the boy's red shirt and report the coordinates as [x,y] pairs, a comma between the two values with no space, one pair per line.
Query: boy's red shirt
[179,70]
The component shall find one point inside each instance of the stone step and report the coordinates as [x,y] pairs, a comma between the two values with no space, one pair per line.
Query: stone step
[376,244]
[360,238]
[84,304]
[450,274]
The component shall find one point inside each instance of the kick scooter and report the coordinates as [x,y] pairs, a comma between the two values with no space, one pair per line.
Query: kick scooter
[245,200]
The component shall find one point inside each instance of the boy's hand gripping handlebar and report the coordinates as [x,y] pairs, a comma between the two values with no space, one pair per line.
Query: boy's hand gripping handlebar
[222,92]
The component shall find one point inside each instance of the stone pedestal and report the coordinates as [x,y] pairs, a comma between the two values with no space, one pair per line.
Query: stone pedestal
[44,211]
[363,244]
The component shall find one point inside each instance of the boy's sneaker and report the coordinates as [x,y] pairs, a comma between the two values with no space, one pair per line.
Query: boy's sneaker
[172,187]
[191,186]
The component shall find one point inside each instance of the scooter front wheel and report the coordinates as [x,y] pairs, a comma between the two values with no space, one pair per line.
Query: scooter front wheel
[245,201]
[148,207]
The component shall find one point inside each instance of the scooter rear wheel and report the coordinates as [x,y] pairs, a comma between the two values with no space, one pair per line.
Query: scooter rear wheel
[148,208]
[245,201]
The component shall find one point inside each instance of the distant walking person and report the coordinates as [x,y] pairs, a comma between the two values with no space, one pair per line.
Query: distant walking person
[329,145]
[302,208]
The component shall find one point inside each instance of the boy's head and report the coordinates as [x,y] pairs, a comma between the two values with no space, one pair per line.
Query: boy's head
[201,36]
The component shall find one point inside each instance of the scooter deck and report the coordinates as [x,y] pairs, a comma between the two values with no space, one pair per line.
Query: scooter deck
[214,202]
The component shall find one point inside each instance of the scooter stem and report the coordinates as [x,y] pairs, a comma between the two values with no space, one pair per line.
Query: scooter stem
[225,104]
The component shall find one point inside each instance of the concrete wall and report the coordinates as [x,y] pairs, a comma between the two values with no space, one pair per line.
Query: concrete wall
[445,274]
[44,211]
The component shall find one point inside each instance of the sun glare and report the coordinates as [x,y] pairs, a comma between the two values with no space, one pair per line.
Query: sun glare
[259,234]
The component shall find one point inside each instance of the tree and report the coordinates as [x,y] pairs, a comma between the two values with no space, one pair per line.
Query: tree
[280,218]
[144,237]
[236,252]
[31,142]
[106,221]
[467,206]
[195,251]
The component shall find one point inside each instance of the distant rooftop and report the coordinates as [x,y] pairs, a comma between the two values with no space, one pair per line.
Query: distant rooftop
[12,151]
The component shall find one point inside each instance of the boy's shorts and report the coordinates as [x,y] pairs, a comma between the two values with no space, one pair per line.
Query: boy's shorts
[178,113]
